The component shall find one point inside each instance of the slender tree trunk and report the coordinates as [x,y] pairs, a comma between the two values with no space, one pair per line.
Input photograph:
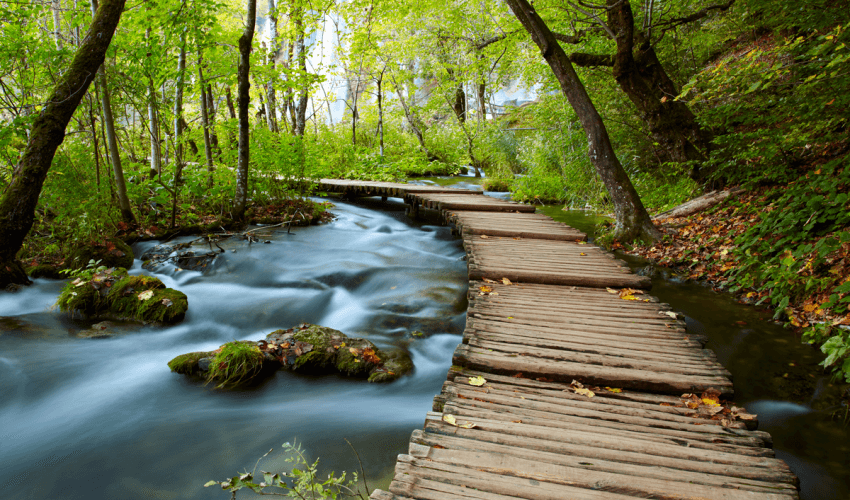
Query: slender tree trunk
[112,142]
[482,102]
[211,111]
[632,219]
[380,81]
[243,72]
[273,52]
[205,118]
[411,119]
[18,202]
[57,25]
[301,110]
[230,108]
[153,121]
[178,127]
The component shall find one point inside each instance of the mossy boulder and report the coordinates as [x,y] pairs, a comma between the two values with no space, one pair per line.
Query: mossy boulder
[45,271]
[306,348]
[112,293]
[111,252]
[318,349]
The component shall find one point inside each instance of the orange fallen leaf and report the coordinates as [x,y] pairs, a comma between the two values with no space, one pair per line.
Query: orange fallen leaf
[506,281]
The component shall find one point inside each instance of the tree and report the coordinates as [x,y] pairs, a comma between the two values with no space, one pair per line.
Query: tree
[632,219]
[18,203]
[244,100]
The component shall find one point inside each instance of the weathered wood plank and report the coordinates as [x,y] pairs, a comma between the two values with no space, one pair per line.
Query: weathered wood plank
[501,363]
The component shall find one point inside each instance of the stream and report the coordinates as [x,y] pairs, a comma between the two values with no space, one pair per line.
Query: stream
[105,418]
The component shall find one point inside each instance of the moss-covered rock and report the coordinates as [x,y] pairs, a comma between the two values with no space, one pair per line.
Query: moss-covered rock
[112,293]
[45,271]
[111,252]
[306,348]
[189,364]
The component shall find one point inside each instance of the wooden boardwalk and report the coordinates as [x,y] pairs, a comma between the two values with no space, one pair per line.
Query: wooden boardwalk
[572,382]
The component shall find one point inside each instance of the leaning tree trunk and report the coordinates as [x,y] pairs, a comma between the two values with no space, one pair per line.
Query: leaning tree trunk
[243,99]
[112,143]
[632,219]
[379,81]
[17,204]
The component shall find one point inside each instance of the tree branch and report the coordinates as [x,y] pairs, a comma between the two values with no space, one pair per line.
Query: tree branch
[591,60]
[696,16]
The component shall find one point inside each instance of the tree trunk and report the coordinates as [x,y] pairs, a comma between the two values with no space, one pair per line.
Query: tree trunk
[633,221]
[153,123]
[640,75]
[243,72]
[482,103]
[178,127]
[56,7]
[411,119]
[112,142]
[18,202]
[380,81]
[303,100]
[211,111]
[273,51]
[205,119]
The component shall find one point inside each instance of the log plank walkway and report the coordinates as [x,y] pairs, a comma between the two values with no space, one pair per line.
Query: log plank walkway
[514,420]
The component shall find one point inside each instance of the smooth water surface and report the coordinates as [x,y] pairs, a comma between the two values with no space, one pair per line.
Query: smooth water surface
[106,419]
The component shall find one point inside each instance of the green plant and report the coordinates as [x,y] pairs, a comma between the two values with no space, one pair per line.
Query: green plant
[236,363]
[302,482]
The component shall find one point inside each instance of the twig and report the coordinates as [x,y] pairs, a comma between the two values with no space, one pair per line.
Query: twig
[362,472]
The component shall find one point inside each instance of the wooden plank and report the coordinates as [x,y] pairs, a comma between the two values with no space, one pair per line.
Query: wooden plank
[638,480]
[556,278]
[501,363]
[495,485]
[604,360]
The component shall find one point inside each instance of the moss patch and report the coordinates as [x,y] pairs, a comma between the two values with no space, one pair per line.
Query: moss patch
[111,252]
[45,271]
[235,364]
[187,364]
[114,294]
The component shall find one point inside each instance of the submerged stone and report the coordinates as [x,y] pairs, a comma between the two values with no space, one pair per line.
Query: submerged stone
[305,348]
[112,293]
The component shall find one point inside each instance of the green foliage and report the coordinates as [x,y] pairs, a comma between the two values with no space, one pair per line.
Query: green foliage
[236,363]
[301,483]
[778,105]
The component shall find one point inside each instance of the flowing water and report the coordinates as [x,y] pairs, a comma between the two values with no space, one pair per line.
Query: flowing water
[104,418]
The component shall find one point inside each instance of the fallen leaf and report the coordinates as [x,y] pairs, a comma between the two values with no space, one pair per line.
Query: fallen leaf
[585,392]
[628,297]
[614,390]
[669,313]
[516,421]
[450,419]
[146,295]
[485,289]
[506,281]
[582,243]
[611,290]
[484,236]
[709,402]
[488,280]
[477,381]
[167,302]
[582,253]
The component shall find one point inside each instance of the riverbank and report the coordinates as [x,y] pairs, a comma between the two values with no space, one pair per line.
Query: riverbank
[746,245]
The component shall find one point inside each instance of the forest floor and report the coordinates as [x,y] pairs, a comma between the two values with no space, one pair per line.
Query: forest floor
[707,247]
